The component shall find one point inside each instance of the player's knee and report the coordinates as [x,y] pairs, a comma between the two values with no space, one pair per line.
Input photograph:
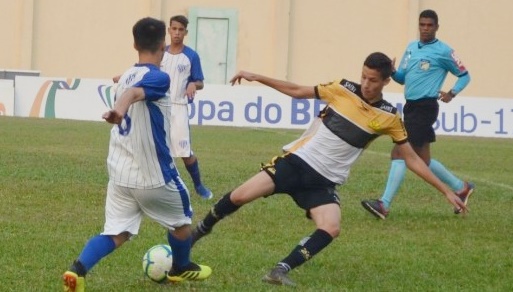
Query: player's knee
[335,232]
[238,200]
[395,154]
[121,238]
[332,229]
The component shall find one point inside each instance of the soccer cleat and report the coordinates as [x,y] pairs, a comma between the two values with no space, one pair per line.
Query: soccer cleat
[199,232]
[191,272]
[204,192]
[278,276]
[72,282]
[376,208]
[464,194]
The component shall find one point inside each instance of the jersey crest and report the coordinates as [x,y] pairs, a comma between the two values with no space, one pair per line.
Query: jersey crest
[375,125]
[424,64]
[181,67]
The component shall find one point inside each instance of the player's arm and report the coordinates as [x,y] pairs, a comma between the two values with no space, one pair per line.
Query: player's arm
[417,165]
[199,84]
[461,83]
[399,74]
[192,87]
[454,65]
[115,115]
[116,78]
[285,87]
[195,81]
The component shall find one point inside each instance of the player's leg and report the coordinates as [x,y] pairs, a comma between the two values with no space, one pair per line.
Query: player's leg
[183,268]
[258,186]
[273,175]
[181,147]
[429,113]
[442,172]
[123,219]
[395,178]
[462,188]
[419,117]
[327,220]
[396,174]
[192,165]
[170,206]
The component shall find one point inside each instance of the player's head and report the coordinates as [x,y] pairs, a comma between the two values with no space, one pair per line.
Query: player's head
[178,28]
[181,19]
[376,72]
[149,35]
[428,25]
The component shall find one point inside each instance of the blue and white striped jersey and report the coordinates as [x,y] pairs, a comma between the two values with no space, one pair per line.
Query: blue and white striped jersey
[139,155]
[183,68]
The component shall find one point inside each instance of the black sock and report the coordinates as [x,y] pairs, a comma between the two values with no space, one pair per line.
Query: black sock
[307,248]
[221,209]
[78,268]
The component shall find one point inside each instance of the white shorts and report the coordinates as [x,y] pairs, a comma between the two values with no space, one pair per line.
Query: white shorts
[180,131]
[124,208]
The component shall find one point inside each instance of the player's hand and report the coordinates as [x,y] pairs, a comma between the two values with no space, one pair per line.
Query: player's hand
[115,79]
[113,117]
[456,202]
[445,96]
[243,75]
[190,91]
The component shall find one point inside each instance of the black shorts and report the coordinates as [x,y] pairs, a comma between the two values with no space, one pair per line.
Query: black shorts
[419,117]
[293,176]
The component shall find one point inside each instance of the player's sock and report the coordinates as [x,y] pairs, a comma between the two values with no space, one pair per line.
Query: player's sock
[395,179]
[194,171]
[306,249]
[221,209]
[181,250]
[95,249]
[445,175]
[78,268]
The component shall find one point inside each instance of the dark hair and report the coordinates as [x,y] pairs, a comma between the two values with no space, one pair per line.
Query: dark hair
[180,18]
[428,13]
[149,33]
[379,62]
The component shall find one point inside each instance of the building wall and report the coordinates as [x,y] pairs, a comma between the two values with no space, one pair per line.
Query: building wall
[304,41]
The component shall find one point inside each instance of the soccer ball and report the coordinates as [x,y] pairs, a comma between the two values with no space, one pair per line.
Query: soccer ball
[157,261]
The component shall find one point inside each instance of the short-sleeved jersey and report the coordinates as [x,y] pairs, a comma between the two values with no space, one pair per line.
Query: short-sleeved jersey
[139,155]
[346,126]
[183,68]
[424,67]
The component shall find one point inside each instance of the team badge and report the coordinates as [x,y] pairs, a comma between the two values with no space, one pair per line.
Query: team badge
[181,67]
[374,124]
[424,64]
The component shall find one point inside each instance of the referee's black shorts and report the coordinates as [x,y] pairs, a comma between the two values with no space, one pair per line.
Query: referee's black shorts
[293,176]
[419,117]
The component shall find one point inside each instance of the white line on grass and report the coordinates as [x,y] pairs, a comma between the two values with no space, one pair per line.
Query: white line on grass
[473,179]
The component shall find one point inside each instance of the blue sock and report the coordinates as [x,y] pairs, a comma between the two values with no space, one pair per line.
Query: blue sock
[181,250]
[395,179]
[95,249]
[194,171]
[445,175]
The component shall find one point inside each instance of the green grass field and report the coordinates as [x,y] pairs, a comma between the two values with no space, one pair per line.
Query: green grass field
[52,189]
